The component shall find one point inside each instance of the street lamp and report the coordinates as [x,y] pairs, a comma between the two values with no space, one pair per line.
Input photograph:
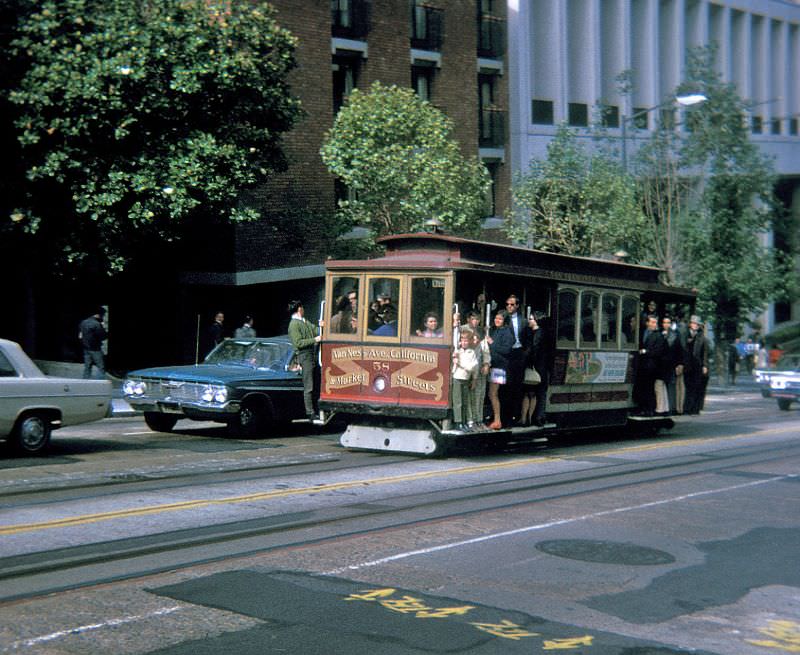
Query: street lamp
[686,100]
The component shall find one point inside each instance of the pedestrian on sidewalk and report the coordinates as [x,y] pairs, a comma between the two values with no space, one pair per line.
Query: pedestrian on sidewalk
[246,330]
[92,333]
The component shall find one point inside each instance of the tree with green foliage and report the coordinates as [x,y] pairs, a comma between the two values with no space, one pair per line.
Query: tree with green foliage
[134,118]
[665,193]
[396,155]
[727,260]
[578,203]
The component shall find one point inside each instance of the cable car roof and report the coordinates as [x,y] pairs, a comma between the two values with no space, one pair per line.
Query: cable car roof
[441,252]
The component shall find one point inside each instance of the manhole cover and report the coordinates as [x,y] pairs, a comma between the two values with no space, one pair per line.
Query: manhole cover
[605,552]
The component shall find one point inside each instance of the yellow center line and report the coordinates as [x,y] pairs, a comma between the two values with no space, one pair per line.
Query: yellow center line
[264,495]
[339,486]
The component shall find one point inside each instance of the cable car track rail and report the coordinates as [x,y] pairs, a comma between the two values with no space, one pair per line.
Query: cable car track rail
[36,574]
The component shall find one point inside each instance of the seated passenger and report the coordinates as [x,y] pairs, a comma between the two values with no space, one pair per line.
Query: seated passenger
[389,326]
[430,326]
[341,320]
[378,309]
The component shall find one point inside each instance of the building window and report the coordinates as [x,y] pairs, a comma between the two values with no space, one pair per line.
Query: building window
[422,81]
[640,118]
[490,30]
[490,198]
[578,114]
[775,126]
[349,18]
[491,119]
[757,124]
[782,312]
[345,78]
[427,26]
[542,112]
[609,115]
[667,116]
[793,126]
[342,192]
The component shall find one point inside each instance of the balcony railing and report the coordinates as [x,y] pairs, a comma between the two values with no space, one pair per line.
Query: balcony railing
[350,18]
[427,27]
[491,36]
[492,126]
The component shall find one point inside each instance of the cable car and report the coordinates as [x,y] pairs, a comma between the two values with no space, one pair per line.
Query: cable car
[392,323]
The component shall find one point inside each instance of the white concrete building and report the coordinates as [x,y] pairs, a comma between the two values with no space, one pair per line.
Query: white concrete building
[565,57]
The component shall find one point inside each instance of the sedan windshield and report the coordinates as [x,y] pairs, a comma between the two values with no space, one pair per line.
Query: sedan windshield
[259,354]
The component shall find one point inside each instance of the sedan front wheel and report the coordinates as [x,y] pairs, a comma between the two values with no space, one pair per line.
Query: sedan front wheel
[32,434]
[160,422]
[254,418]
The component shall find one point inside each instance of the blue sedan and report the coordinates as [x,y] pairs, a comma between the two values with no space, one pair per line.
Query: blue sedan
[250,384]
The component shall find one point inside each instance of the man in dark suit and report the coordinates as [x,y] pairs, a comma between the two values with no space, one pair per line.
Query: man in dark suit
[696,369]
[511,402]
[651,356]
[673,362]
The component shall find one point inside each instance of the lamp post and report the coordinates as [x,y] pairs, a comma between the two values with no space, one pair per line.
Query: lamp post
[684,100]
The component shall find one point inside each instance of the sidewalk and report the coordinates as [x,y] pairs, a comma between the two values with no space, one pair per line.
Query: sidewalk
[745,383]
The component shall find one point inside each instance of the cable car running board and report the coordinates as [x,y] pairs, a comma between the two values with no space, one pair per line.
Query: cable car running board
[430,442]
[392,439]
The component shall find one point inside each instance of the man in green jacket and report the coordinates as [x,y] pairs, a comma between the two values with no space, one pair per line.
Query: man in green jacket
[305,336]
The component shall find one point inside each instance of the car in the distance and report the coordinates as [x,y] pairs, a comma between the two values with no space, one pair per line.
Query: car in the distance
[33,404]
[762,376]
[251,384]
[784,381]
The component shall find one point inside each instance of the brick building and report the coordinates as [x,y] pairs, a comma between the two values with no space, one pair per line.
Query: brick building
[450,51]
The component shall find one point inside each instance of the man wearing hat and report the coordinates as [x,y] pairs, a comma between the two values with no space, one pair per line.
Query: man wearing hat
[92,334]
[380,311]
[695,370]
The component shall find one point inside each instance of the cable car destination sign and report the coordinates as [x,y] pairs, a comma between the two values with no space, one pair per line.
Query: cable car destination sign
[386,368]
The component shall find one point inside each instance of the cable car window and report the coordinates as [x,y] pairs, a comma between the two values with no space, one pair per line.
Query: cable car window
[590,303]
[427,307]
[382,315]
[567,304]
[630,323]
[609,326]
[344,305]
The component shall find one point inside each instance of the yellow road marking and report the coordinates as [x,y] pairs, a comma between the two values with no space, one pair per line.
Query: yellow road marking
[338,486]
[265,495]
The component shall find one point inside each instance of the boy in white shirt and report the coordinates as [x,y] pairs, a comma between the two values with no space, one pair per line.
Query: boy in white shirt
[465,364]
[481,348]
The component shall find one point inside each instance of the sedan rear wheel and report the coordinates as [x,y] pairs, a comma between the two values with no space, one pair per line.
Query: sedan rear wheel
[784,404]
[160,422]
[32,434]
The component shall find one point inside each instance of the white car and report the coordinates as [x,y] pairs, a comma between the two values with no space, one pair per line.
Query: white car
[784,381]
[33,404]
[789,362]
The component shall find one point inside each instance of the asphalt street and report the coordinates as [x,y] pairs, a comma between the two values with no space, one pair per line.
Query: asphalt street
[200,543]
